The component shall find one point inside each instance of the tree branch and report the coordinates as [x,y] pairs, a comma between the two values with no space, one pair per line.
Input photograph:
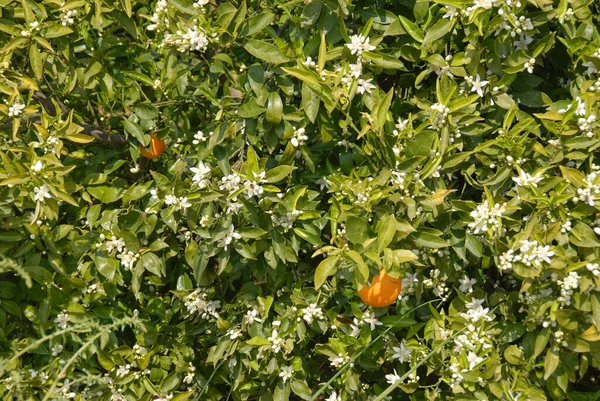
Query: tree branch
[98,134]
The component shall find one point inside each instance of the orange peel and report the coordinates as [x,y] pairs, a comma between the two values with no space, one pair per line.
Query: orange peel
[383,291]
[157,147]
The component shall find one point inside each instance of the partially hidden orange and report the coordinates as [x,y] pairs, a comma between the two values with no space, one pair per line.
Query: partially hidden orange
[383,291]
[157,147]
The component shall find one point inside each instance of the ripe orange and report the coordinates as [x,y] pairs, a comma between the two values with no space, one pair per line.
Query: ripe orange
[384,290]
[157,147]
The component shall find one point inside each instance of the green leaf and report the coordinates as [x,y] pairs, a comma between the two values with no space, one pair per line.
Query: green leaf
[139,77]
[79,138]
[403,256]
[135,130]
[575,177]
[550,363]
[146,111]
[383,109]
[310,103]
[541,341]
[252,232]
[301,389]
[282,392]
[104,360]
[170,382]
[185,6]
[326,268]
[35,59]
[274,108]
[278,173]
[385,61]
[360,263]
[358,230]
[595,304]
[56,31]
[106,266]
[105,193]
[386,232]
[153,263]
[413,30]
[429,240]
[265,51]
[258,341]
[437,31]
[256,23]
[250,109]
[583,236]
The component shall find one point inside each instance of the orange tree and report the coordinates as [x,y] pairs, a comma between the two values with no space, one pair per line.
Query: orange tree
[193,192]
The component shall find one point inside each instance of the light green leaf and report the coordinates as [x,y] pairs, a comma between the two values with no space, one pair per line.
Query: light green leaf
[326,268]
[265,51]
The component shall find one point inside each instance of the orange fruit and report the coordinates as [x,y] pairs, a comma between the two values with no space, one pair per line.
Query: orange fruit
[157,147]
[384,290]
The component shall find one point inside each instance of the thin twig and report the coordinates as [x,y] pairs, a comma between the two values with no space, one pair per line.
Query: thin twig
[98,134]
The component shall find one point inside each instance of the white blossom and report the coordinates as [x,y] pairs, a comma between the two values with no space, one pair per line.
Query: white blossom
[37,166]
[580,110]
[339,360]
[365,86]
[523,42]
[450,12]
[128,259]
[229,237]
[485,4]
[201,175]
[466,284]
[478,85]
[57,349]
[402,353]
[309,62]
[312,312]
[62,319]
[529,65]
[16,109]
[473,359]
[299,137]
[251,316]
[370,319]
[200,3]
[334,397]
[359,44]
[276,341]
[183,202]
[171,200]
[230,183]
[476,312]
[199,137]
[594,268]
[123,370]
[197,303]
[68,17]
[286,373]
[41,193]
[392,378]
[233,333]
[253,188]
[525,179]
[486,216]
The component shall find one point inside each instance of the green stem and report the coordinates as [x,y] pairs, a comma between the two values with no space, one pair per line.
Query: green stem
[209,380]
[351,361]
[419,364]
[35,344]
[70,362]
[102,331]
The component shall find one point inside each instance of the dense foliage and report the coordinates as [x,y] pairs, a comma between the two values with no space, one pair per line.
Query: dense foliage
[309,145]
